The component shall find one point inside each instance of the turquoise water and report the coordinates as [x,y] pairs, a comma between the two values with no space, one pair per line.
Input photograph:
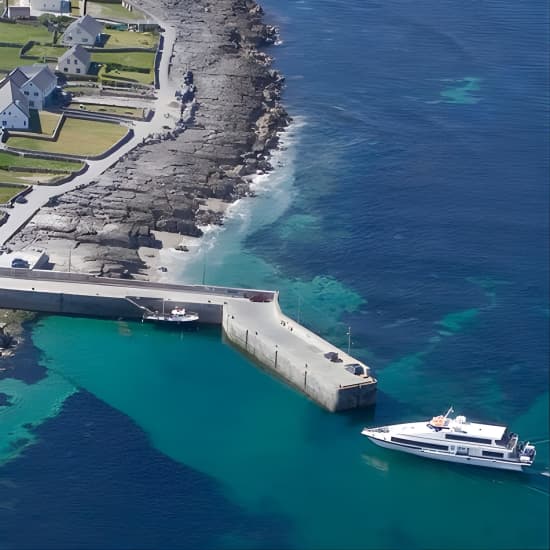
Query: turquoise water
[410,204]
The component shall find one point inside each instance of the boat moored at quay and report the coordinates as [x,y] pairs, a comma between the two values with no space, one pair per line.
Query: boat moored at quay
[457,440]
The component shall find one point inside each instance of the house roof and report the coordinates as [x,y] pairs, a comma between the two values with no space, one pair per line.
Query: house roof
[40,75]
[18,77]
[87,24]
[78,51]
[10,93]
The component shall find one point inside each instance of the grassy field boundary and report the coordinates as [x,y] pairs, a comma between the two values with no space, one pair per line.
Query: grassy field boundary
[51,137]
[68,156]
[6,193]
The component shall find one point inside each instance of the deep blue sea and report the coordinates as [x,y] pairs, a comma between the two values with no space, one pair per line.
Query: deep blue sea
[410,202]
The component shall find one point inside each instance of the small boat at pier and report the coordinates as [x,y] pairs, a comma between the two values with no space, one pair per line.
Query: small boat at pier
[177,316]
[457,440]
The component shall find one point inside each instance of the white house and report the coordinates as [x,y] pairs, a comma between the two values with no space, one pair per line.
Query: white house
[75,60]
[14,109]
[40,81]
[85,30]
[55,6]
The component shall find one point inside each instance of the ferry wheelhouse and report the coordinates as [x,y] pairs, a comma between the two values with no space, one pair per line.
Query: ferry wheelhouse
[457,440]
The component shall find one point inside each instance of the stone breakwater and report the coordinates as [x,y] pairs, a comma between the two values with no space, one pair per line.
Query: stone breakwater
[165,183]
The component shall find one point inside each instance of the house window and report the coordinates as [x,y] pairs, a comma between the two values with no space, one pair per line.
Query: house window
[26,93]
[31,103]
[35,94]
[84,40]
[75,61]
[24,123]
[66,69]
[78,70]
[4,123]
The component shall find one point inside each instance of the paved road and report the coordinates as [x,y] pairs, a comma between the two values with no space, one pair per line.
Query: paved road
[165,114]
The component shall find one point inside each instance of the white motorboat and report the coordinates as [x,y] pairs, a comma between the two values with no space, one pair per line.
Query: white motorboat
[457,440]
[177,316]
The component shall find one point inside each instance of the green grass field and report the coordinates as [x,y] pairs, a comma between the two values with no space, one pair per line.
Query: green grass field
[27,178]
[8,191]
[109,109]
[144,60]
[12,160]
[9,58]
[42,122]
[113,11]
[126,39]
[47,51]
[125,76]
[77,137]
[19,33]
[132,59]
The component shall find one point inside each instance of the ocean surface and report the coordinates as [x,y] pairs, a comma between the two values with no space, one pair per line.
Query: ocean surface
[410,203]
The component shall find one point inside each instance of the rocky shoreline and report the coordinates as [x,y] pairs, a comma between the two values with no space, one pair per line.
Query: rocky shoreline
[179,180]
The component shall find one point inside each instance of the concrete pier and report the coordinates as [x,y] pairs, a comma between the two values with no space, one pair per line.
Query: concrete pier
[251,320]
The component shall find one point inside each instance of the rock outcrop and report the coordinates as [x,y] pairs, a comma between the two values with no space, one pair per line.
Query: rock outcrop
[165,183]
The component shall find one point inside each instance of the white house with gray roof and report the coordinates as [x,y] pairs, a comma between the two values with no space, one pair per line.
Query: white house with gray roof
[85,30]
[39,84]
[14,107]
[75,60]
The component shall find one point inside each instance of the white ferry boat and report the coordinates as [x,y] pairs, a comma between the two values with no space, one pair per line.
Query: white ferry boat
[457,440]
[176,316]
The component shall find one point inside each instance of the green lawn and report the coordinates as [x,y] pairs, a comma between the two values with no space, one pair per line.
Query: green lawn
[109,109]
[19,33]
[45,51]
[9,191]
[28,178]
[113,11]
[9,58]
[144,60]
[42,122]
[77,137]
[129,59]
[127,39]
[13,160]
[125,76]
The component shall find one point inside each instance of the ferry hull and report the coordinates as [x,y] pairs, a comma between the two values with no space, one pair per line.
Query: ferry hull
[451,457]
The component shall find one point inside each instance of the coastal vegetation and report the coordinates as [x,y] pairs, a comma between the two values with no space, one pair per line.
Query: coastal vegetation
[99,136]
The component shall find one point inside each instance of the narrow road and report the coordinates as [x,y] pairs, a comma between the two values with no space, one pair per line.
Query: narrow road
[165,114]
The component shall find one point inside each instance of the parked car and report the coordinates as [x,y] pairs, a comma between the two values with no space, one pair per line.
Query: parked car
[19,262]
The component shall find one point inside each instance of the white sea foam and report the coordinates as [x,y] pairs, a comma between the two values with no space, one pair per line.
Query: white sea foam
[273,195]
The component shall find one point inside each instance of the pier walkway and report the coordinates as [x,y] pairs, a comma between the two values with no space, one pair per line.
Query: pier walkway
[251,320]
